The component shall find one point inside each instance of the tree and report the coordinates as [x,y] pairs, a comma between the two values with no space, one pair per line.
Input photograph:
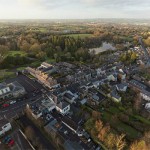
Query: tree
[3,52]
[35,48]
[29,132]
[25,46]
[138,145]
[120,142]
[103,133]
[41,55]
[99,125]
[110,140]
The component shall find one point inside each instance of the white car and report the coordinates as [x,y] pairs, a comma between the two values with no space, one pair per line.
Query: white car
[12,102]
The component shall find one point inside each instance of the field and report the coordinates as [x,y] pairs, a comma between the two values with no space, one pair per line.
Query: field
[4,74]
[16,53]
[82,36]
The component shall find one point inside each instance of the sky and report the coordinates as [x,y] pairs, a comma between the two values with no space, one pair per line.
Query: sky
[74,9]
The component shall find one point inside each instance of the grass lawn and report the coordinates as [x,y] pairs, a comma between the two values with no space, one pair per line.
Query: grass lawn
[48,60]
[4,74]
[120,126]
[20,68]
[82,36]
[15,53]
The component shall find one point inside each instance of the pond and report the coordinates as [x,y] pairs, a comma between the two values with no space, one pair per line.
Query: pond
[105,46]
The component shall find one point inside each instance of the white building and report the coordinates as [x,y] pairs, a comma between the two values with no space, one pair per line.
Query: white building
[147,106]
[4,91]
[63,107]
[145,95]
[13,89]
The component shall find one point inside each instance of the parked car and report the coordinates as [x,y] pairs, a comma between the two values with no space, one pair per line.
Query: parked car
[12,102]
[5,105]
[6,139]
[11,142]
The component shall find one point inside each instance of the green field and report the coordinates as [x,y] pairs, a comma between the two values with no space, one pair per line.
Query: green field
[82,36]
[4,74]
[15,53]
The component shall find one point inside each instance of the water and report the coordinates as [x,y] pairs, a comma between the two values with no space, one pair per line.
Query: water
[105,46]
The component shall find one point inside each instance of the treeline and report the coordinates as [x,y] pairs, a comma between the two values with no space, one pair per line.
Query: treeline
[12,61]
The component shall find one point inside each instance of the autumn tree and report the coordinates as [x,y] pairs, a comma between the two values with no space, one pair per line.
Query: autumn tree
[120,142]
[138,145]
[29,132]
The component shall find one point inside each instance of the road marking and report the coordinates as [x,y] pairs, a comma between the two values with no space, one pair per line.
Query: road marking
[30,84]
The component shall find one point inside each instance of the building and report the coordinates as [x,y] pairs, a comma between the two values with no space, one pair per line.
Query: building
[63,107]
[13,89]
[43,75]
[144,89]
[42,106]
[121,87]
[5,126]
[17,89]
[114,95]
[147,107]
[4,91]
[69,97]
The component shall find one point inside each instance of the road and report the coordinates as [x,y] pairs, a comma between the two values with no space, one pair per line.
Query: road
[145,51]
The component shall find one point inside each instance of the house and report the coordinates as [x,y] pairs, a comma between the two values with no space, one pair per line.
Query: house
[4,91]
[70,97]
[83,101]
[122,87]
[17,89]
[144,89]
[121,75]
[114,95]
[145,95]
[46,65]
[57,94]
[37,109]
[5,126]
[147,107]
[87,74]
[13,89]
[95,99]
[112,77]
[100,72]
[63,107]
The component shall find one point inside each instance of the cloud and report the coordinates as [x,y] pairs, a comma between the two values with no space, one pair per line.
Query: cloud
[74,8]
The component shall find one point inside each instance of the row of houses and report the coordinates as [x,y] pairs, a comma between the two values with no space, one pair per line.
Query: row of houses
[43,74]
